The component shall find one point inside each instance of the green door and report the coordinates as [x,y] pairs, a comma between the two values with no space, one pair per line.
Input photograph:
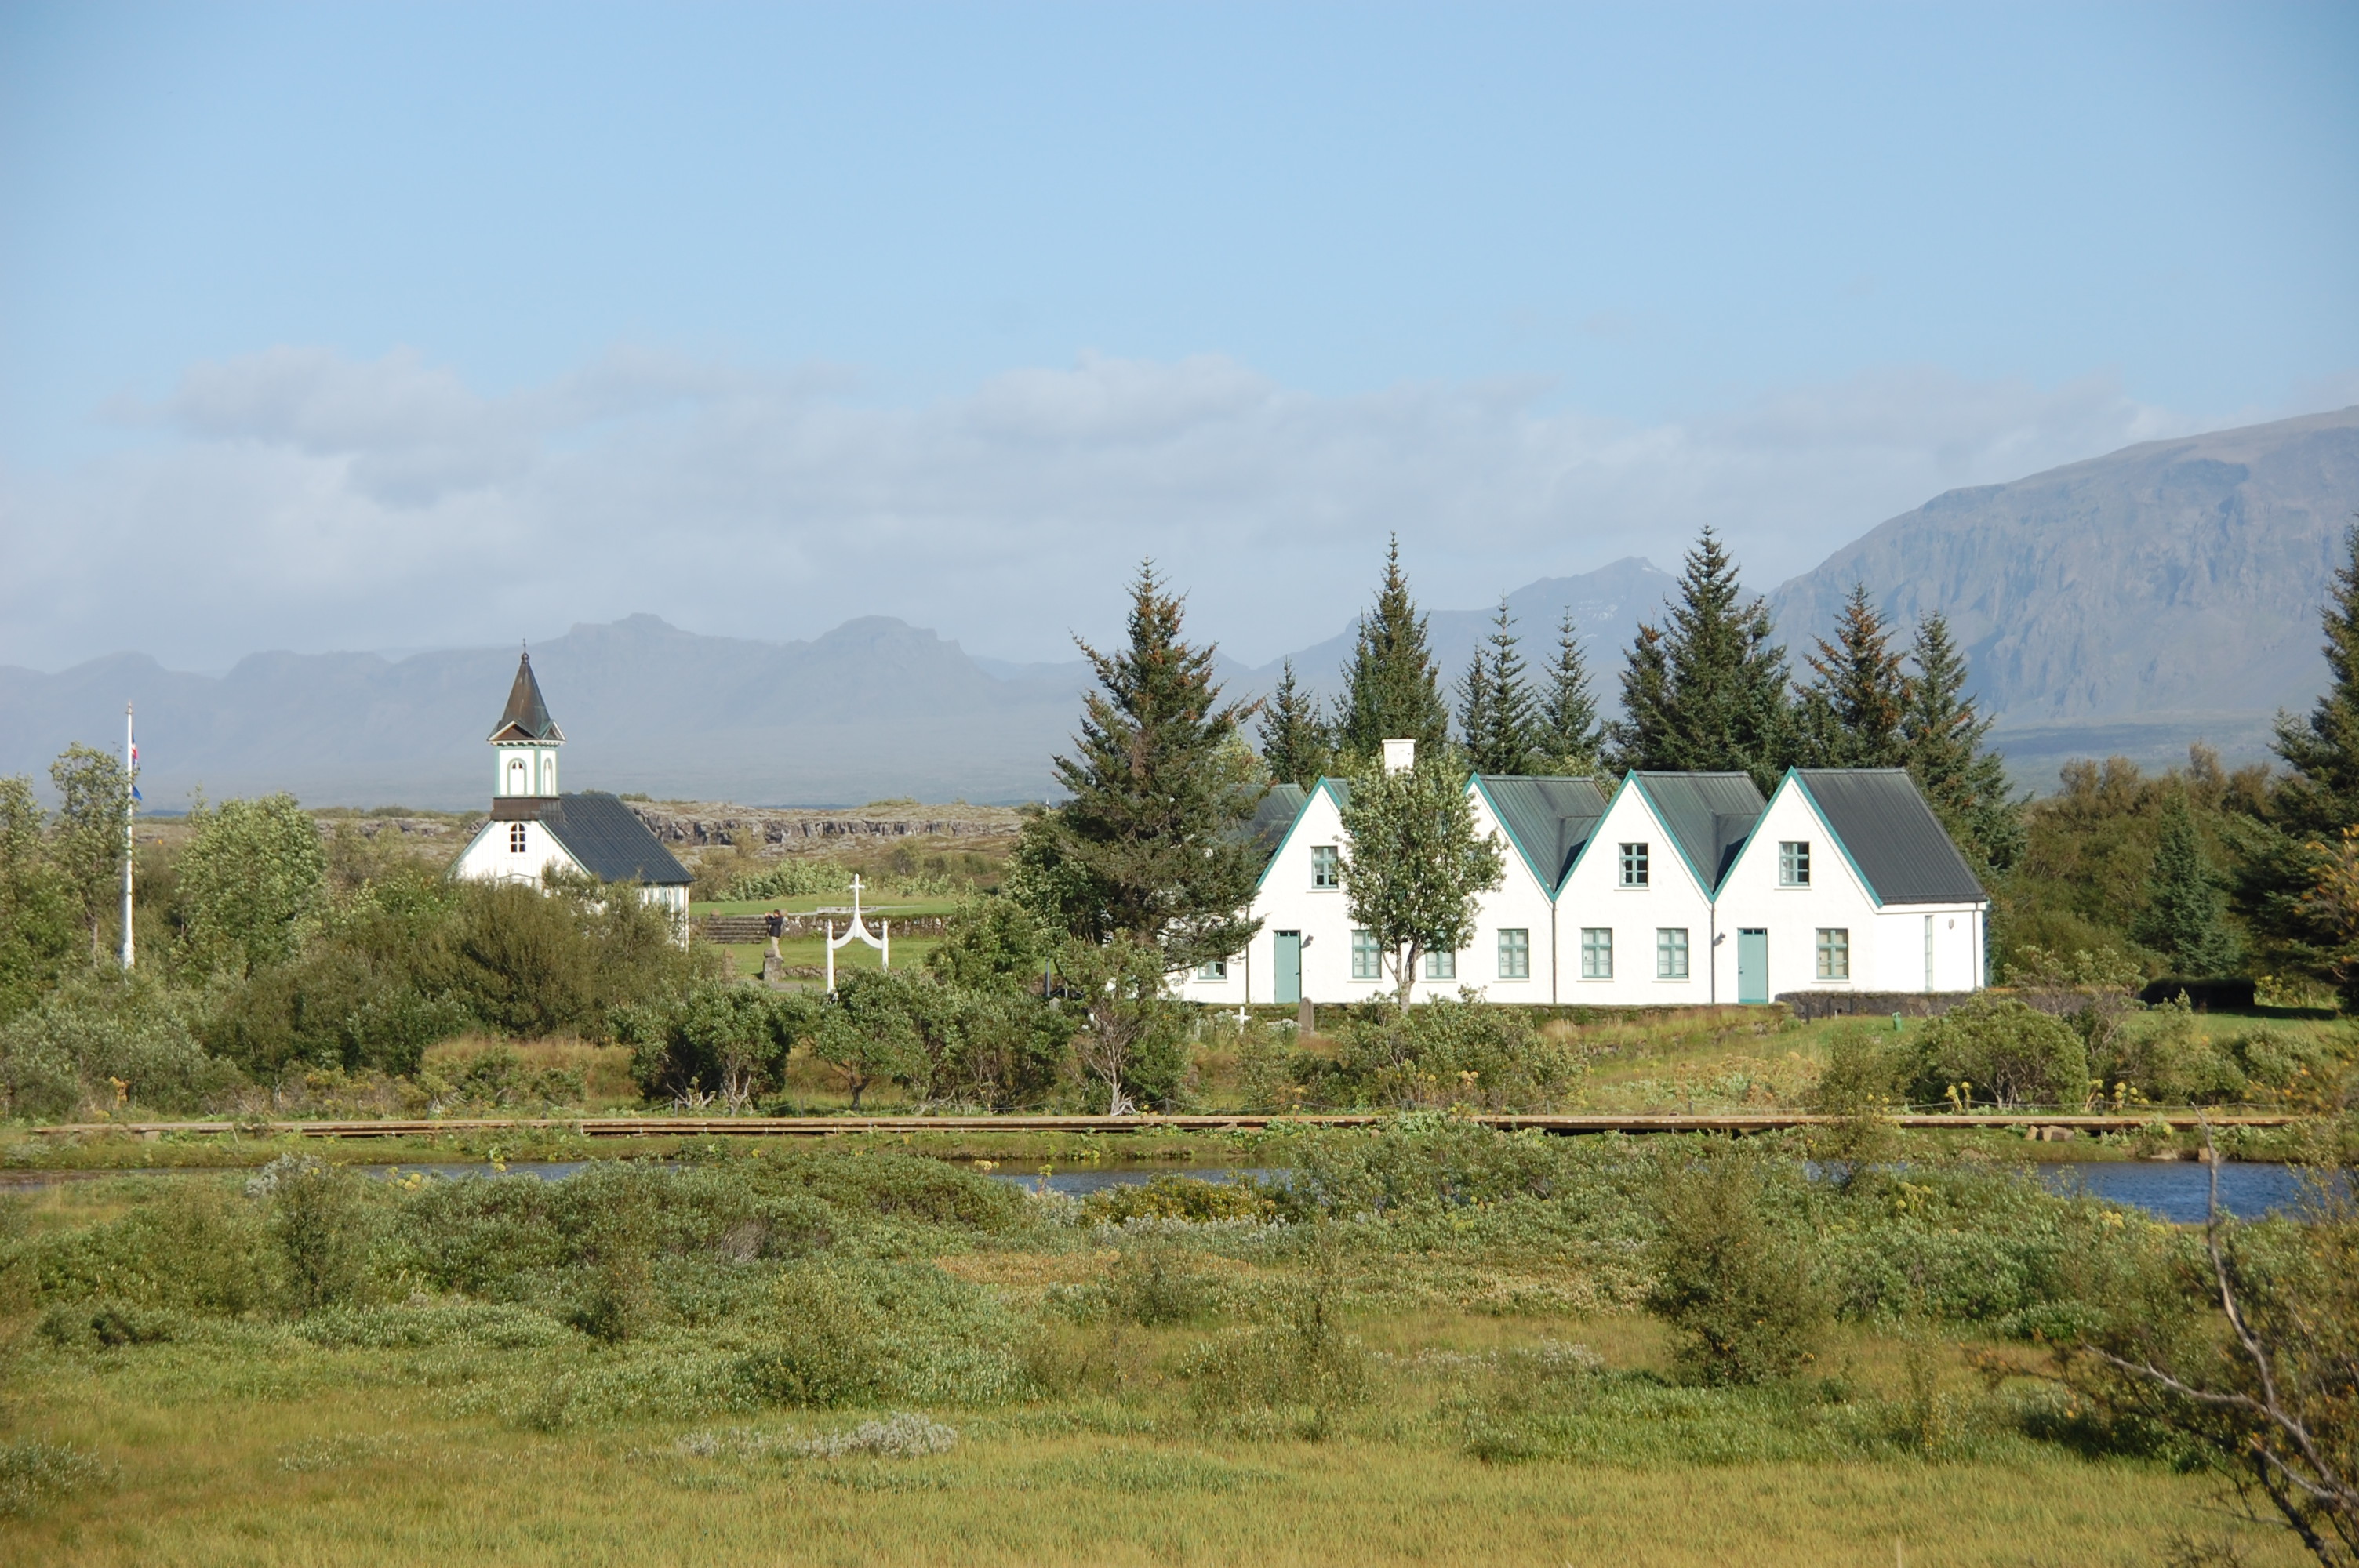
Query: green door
[1286,972]
[1752,966]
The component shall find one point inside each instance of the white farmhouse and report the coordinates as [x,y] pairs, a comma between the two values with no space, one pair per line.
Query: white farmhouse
[1680,888]
[534,830]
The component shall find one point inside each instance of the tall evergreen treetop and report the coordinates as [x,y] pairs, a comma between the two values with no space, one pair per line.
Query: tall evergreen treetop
[2321,798]
[2185,919]
[1297,743]
[1568,736]
[1496,711]
[1858,696]
[1394,691]
[1707,692]
[1159,779]
[1941,733]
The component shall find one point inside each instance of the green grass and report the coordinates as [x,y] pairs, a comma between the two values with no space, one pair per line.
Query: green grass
[806,904]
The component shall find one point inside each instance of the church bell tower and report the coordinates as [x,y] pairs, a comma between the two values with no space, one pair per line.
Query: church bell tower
[526,741]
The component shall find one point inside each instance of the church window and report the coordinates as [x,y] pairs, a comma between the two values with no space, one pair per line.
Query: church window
[515,837]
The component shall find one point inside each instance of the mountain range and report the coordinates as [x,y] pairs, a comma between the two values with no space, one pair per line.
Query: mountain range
[2130,603]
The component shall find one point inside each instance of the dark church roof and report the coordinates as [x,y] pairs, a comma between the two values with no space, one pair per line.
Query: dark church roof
[602,833]
[525,717]
[1893,836]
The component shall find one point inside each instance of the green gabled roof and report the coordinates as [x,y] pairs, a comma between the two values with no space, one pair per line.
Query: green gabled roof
[1708,816]
[1548,819]
[525,717]
[1894,842]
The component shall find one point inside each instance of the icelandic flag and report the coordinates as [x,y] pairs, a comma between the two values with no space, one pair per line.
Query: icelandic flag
[136,796]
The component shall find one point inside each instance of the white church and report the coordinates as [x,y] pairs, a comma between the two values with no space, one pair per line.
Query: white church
[534,830]
[1663,889]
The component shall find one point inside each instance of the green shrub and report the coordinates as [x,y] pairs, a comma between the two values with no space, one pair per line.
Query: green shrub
[1181,1197]
[1994,1049]
[1154,1283]
[1302,1371]
[1733,1283]
[192,1247]
[864,1333]
[1467,1051]
[317,1220]
[108,1041]
[719,1038]
[33,1474]
[2166,1057]
[102,1325]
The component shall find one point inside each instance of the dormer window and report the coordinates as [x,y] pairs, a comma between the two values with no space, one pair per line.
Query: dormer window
[515,837]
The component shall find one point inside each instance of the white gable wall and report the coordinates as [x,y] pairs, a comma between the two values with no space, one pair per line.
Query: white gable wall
[489,857]
[1593,897]
[1520,903]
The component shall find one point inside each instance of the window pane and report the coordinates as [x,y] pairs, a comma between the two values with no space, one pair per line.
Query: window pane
[1515,954]
[1834,953]
[1326,867]
[1364,964]
[1441,965]
[1672,953]
[1794,863]
[1212,969]
[1633,865]
[1596,952]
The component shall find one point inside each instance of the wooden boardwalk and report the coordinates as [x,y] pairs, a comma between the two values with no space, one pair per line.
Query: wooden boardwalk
[831,1126]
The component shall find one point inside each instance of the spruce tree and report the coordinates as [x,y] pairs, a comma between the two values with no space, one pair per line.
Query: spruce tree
[1296,744]
[2321,798]
[1851,712]
[1941,733]
[1496,713]
[1707,693]
[2185,918]
[1393,691]
[1568,735]
[1159,782]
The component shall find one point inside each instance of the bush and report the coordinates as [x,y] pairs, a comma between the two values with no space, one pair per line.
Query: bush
[32,1473]
[1304,1370]
[109,1040]
[1994,1049]
[1467,1051]
[720,1038]
[315,1218]
[1153,1283]
[853,1334]
[1181,1197]
[1735,1285]
[192,1247]
[2166,1056]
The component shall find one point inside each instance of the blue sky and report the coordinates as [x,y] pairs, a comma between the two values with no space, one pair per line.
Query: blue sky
[362,326]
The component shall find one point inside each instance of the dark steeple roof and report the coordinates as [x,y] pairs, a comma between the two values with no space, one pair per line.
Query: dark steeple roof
[527,715]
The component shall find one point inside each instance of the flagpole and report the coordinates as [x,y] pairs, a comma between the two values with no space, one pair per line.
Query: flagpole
[130,795]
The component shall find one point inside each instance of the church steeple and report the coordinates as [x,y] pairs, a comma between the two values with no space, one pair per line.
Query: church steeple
[525,739]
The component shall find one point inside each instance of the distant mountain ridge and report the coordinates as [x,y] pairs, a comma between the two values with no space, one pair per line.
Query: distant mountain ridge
[2128,603]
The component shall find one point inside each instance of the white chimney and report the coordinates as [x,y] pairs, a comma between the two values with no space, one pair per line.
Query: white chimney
[1400,756]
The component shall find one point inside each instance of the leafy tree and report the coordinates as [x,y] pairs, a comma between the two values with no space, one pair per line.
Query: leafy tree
[2185,918]
[1568,732]
[93,817]
[1414,861]
[253,884]
[868,1031]
[37,907]
[1942,735]
[1393,691]
[1298,745]
[1496,711]
[1160,781]
[1707,692]
[717,1038]
[1854,707]
[992,945]
[1134,1041]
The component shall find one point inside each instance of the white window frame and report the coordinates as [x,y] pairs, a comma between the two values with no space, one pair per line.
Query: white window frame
[1212,969]
[1834,947]
[1596,952]
[1672,953]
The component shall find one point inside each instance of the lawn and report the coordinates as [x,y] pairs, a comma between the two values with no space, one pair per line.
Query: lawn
[1501,1399]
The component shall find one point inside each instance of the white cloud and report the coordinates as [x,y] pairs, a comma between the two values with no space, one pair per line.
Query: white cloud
[312,501]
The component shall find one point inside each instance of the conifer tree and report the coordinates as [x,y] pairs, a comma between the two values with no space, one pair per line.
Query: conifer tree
[2185,918]
[1568,735]
[1496,713]
[2321,798]
[1708,691]
[1851,712]
[1296,744]
[1160,781]
[1941,733]
[1393,691]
